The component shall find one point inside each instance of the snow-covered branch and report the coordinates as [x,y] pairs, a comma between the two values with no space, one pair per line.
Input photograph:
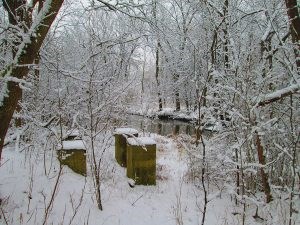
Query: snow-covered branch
[279,94]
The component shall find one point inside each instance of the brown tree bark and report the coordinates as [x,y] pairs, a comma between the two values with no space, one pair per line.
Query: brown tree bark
[27,57]
[264,175]
[226,36]
[177,100]
[160,106]
[294,20]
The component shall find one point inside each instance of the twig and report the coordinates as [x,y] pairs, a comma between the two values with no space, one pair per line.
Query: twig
[75,211]
[137,200]
[48,209]
[4,216]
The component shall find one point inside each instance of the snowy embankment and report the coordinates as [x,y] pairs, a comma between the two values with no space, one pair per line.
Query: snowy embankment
[28,180]
[210,124]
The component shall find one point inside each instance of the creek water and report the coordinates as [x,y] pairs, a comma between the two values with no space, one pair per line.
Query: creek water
[161,127]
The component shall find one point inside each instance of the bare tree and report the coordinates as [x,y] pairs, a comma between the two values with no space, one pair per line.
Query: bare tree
[31,32]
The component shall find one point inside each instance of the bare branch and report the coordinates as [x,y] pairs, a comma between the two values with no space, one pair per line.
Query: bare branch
[108,5]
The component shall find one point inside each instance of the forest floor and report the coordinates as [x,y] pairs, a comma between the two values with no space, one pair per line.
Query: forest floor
[28,178]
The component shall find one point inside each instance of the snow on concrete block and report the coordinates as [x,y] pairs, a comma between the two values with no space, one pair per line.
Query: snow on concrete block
[72,134]
[121,135]
[73,144]
[141,160]
[126,131]
[73,155]
[141,141]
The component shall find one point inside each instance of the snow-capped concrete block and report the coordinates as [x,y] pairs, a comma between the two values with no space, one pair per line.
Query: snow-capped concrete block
[73,155]
[121,134]
[141,160]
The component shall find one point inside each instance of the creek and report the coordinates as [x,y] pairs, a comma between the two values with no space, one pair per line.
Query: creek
[158,126]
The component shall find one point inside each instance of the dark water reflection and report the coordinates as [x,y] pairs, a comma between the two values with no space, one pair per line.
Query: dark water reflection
[161,127]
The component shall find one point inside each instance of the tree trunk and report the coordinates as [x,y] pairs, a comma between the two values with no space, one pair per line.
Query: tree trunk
[157,77]
[177,100]
[294,20]
[27,57]
[226,37]
[237,175]
[264,175]
[7,109]
[213,48]
[160,103]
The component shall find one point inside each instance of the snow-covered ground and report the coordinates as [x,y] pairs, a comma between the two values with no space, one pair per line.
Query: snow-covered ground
[27,183]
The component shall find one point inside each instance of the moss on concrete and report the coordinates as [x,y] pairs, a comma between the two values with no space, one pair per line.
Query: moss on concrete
[121,148]
[141,164]
[75,159]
